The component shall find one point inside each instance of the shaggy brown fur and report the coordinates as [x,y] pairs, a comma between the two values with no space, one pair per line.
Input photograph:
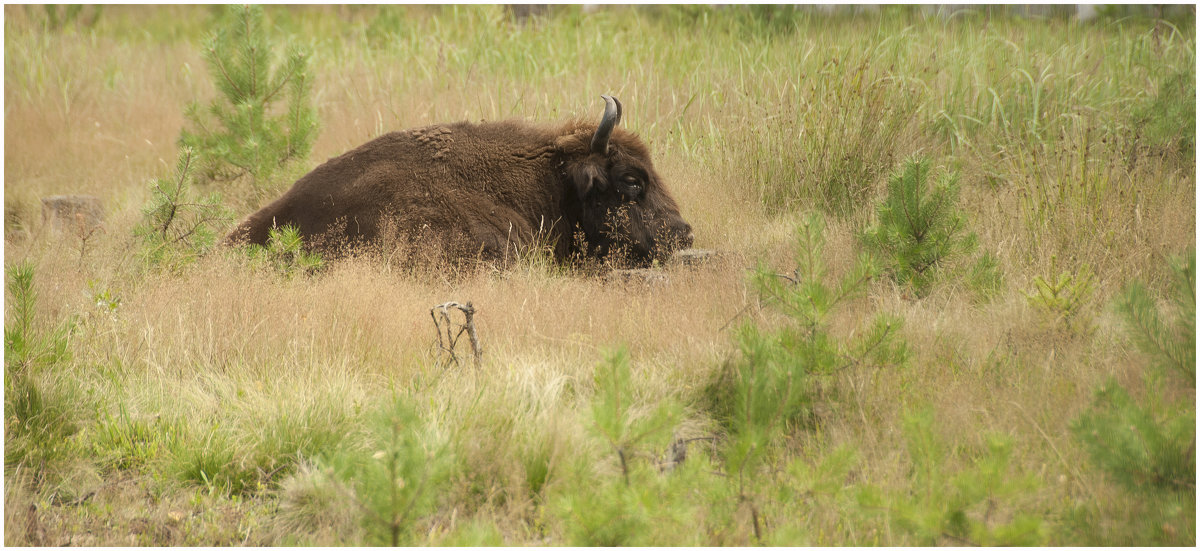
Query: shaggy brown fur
[479,190]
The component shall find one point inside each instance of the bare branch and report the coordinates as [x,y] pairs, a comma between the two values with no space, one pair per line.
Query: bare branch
[451,339]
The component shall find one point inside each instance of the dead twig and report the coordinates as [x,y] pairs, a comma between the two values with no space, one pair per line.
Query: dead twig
[442,322]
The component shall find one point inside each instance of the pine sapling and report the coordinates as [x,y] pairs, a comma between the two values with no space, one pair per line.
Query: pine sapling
[285,252]
[39,402]
[614,415]
[769,389]
[26,348]
[919,227]
[642,503]
[245,133]
[1171,347]
[177,227]
[399,479]
[942,507]
[1063,298]
[1148,445]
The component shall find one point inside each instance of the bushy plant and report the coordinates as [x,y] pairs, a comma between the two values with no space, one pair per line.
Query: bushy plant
[39,404]
[920,227]
[636,496]
[1169,343]
[396,480]
[177,226]
[771,377]
[285,252]
[1063,298]
[945,508]
[1145,446]
[243,133]
[1168,123]
[769,389]
[614,416]
[654,509]
[1149,445]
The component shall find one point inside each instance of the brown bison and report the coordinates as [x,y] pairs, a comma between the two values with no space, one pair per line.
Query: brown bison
[482,190]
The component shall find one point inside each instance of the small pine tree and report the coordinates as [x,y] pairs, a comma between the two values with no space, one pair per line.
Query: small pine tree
[399,479]
[1063,298]
[285,252]
[769,390]
[649,502]
[176,228]
[38,405]
[612,411]
[242,134]
[1149,445]
[919,227]
[1170,347]
[768,387]
[947,508]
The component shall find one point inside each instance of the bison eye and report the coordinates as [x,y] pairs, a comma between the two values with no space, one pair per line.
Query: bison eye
[633,186]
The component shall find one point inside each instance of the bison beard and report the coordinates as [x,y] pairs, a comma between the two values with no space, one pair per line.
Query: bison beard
[483,190]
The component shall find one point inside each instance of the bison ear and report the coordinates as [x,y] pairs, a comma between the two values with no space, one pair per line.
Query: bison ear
[587,176]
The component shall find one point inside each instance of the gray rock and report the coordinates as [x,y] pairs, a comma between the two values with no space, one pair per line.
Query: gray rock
[72,213]
[645,276]
[694,257]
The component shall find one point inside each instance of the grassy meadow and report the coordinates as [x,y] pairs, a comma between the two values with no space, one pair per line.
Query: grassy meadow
[221,403]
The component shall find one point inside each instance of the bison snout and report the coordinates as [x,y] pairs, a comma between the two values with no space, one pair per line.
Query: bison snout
[682,233]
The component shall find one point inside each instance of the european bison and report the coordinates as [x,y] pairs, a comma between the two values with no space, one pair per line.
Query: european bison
[481,190]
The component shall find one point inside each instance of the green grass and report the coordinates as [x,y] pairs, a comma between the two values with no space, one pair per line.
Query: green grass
[220,403]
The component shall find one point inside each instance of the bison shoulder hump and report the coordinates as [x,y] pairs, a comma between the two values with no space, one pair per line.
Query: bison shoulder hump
[436,137]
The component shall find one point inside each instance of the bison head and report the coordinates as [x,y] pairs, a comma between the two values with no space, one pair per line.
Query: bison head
[618,201]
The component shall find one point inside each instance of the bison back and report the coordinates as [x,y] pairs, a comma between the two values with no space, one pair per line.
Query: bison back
[480,186]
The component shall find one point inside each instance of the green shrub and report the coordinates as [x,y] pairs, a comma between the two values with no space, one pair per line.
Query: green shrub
[1168,122]
[176,226]
[985,277]
[1147,445]
[768,391]
[945,508]
[285,252]
[39,401]
[1063,298]
[28,348]
[768,387]
[397,479]
[613,412]
[920,228]
[649,491]
[647,505]
[1171,347]
[242,134]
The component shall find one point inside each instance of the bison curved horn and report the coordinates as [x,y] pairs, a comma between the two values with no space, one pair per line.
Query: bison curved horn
[612,116]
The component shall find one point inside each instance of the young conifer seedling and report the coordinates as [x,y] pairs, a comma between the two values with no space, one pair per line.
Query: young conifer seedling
[263,117]
[919,227]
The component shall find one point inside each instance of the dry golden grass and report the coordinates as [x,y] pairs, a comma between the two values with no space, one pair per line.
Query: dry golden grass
[97,111]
